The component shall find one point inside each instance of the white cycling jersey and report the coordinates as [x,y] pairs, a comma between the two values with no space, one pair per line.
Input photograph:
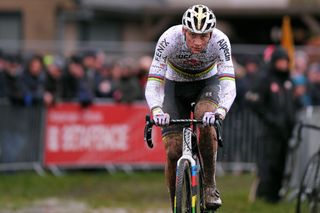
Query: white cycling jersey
[175,61]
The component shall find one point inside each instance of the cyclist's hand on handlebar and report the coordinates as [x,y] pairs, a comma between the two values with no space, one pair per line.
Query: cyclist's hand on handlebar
[208,118]
[160,118]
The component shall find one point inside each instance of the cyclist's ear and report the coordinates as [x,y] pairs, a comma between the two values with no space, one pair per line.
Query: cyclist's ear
[184,30]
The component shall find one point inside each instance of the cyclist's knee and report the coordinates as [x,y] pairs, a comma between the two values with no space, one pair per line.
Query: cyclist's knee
[173,145]
[208,134]
[204,106]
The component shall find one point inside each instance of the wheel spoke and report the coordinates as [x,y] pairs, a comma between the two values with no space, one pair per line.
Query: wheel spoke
[308,198]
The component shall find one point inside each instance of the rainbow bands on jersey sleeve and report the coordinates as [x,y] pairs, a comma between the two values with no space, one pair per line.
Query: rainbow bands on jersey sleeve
[226,77]
[154,77]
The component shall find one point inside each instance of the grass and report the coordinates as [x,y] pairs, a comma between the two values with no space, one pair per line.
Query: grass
[138,191]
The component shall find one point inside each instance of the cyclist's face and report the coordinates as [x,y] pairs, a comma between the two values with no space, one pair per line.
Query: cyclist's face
[196,42]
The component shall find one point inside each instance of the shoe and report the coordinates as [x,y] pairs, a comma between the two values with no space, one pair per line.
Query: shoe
[212,198]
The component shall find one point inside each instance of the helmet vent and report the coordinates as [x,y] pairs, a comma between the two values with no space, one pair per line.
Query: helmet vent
[189,24]
[203,22]
[204,9]
[208,27]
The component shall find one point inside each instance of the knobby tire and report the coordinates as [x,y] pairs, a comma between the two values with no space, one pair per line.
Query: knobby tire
[183,194]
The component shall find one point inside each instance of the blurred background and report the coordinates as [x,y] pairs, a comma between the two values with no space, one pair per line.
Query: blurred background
[63,27]
[72,78]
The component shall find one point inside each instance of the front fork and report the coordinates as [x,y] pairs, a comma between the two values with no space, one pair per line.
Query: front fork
[187,154]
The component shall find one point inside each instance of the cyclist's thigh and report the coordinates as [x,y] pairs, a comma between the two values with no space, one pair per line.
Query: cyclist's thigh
[175,105]
[208,98]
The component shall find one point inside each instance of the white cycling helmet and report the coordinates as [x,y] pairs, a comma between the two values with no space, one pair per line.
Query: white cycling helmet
[199,19]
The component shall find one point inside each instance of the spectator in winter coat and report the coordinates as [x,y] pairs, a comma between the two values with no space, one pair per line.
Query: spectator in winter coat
[53,83]
[77,86]
[33,81]
[273,101]
[10,80]
[314,83]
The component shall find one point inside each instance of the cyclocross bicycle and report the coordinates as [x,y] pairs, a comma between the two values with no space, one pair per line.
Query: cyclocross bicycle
[308,199]
[189,195]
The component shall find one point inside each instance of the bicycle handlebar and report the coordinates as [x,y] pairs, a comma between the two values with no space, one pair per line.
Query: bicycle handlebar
[150,123]
[304,125]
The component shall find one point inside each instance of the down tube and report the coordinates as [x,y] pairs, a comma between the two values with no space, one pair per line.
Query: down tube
[194,183]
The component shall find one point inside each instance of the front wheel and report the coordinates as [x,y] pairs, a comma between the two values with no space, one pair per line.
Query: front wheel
[183,195]
[309,192]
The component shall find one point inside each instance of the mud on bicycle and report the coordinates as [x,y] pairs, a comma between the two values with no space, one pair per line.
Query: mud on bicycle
[189,194]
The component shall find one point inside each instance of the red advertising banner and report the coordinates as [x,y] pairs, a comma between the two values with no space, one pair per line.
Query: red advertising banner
[99,135]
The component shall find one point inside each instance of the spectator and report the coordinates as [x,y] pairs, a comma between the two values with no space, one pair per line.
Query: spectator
[10,78]
[143,70]
[127,88]
[3,63]
[245,81]
[301,95]
[33,80]
[104,82]
[272,100]
[300,64]
[100,60]
[89,60]
[53,84]
[2,60]
[267,53]
[314,83]
[76,84]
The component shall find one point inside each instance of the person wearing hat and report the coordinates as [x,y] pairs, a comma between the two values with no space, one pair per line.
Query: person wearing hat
[272,99]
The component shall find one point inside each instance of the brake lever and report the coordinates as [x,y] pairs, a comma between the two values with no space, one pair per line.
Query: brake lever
[217,125]
[148,131]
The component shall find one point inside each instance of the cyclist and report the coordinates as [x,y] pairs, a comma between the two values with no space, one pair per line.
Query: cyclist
[192,63]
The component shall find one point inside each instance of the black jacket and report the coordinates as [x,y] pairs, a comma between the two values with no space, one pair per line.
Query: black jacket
[272,99]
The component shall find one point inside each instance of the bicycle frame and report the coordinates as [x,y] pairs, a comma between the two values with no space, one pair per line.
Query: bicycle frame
[187,152]
[188,155]
[187,146]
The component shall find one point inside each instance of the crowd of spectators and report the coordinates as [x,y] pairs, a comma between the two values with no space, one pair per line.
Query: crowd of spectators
[84,77]
[90,75]
[305,76]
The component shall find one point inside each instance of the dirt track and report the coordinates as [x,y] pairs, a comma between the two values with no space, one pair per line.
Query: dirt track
[54,205]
